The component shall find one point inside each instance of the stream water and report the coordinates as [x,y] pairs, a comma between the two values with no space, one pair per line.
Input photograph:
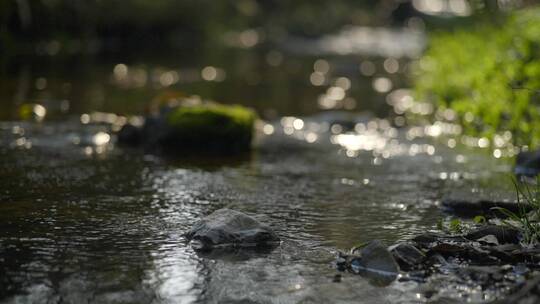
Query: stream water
[85,221]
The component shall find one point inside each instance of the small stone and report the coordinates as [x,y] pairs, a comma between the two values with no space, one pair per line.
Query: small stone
[527,163]
[407,255]
[376,257]
[503,234]
[230,228]
[489,239]
[129,135]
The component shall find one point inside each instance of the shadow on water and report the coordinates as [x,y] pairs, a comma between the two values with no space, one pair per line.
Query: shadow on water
[235,254]
[209,163]
[378,279]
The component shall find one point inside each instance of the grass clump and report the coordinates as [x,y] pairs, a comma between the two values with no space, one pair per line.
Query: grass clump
[211,128]
[489,75]
[527,219]
[453,226]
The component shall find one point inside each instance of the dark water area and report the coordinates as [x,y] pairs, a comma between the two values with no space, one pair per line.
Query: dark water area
[83,220]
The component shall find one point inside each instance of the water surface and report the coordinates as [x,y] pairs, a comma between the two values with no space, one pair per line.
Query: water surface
[85,221]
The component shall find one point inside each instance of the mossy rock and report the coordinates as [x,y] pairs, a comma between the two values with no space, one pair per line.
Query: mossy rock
[191,126]
[211,128]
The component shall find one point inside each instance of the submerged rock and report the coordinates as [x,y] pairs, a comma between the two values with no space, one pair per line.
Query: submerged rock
[376,257]
[130,135]
[208,128]
[528,163]
[230,228]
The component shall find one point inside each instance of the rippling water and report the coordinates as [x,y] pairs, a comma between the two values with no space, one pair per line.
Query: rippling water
[85,221]
[88,223]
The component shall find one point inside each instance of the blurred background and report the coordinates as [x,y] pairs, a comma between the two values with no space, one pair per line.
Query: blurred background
[279,57]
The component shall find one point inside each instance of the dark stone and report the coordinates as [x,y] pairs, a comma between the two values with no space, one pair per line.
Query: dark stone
[202,129]
[154,131]
[426,238]
[436,260]
[503,234]
[527,164]
[488,257]
[129,135]
[341,262]
[407,256]
[482,207]
[373,262]
[149,135]
[375,257]
[448,249]
[504,252]
[230,228]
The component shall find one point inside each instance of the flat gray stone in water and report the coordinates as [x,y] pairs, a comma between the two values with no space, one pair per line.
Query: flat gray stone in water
[407,255]
[376,257]
[375,263]
[230,228]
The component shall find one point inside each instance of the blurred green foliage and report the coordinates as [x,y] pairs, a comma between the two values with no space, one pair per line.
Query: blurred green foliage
[489,74]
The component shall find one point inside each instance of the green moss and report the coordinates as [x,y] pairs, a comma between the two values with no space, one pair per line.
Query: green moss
[211,128]
[489,71]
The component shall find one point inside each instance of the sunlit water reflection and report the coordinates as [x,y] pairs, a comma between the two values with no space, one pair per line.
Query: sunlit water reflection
[86,222]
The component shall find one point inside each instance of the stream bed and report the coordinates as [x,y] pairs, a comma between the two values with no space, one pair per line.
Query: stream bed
[89,223]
